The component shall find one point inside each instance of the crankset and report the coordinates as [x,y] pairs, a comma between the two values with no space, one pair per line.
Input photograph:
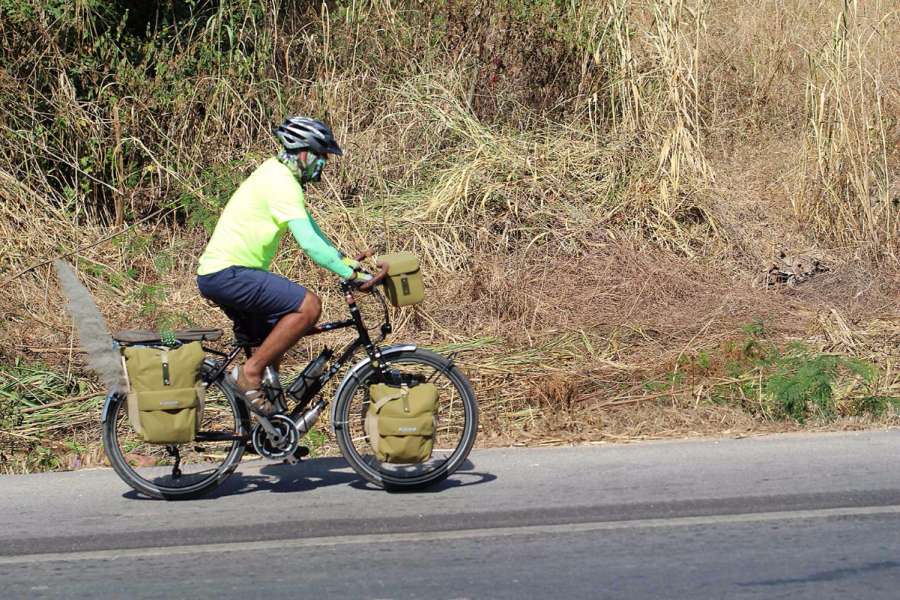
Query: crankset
[277,442]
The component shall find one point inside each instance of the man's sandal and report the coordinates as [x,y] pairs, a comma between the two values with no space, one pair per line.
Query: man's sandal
[255,398]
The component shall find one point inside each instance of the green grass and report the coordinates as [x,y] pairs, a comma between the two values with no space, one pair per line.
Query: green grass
[24,385]
[314,440]
[38,406]
[795,381]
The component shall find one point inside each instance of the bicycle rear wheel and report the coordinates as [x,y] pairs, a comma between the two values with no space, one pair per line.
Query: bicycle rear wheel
[455,431]
[148,468]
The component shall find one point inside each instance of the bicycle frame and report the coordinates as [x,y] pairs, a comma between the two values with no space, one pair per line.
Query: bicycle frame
[363,340]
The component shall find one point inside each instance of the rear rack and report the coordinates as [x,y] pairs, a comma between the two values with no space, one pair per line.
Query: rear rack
[128,337]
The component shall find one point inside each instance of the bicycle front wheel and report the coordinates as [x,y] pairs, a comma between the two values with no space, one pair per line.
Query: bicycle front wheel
[204,464]
[456,423]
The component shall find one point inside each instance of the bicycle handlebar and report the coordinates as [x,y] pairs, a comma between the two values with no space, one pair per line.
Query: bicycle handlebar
[376,279]
[364,255]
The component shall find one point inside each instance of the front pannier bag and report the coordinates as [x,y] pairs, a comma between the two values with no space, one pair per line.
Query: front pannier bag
[165,399]
[400,422]
[403,285]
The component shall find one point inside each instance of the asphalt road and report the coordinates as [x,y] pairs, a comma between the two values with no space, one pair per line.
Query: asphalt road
[777,517]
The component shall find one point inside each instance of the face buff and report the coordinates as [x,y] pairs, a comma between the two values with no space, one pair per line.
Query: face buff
[314,166]
[311,171]
[290,161]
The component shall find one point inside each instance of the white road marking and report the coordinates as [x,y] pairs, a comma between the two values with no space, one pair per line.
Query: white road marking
[429,536]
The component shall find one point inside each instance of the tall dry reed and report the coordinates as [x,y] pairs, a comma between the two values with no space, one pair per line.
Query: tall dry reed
[849,174]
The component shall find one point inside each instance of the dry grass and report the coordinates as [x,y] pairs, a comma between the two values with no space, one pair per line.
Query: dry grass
[592,198]
[849,190]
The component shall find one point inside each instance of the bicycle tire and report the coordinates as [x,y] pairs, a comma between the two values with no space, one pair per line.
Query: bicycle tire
[349,414]
[117,420]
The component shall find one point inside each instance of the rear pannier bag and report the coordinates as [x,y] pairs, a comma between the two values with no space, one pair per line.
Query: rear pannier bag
[404,281]
[400,422]
[165,397]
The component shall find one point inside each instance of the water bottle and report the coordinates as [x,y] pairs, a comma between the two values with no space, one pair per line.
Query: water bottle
[309,418]
[310,375]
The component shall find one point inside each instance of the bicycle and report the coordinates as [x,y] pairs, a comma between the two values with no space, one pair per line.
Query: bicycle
[226,432]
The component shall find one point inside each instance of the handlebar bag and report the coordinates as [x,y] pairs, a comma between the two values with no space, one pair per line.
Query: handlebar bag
[165,397]
[400,422]
[403,285]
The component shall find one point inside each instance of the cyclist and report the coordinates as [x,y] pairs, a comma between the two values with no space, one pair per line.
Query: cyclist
[268,310]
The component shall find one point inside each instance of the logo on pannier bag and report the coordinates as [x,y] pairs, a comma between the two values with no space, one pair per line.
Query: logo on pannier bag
[407,429]
[168,403]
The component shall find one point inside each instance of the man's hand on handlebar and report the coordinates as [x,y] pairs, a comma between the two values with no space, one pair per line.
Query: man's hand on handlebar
[364,281]
[359,277]
[355,262]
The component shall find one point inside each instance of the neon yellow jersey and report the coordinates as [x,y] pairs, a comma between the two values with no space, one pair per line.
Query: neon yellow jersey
[254,220]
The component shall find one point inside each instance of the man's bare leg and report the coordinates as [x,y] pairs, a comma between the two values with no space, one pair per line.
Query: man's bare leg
[275,364]
[287,331]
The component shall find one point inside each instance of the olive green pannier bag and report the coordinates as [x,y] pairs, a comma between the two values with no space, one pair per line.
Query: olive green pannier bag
[400,422]
[165,397]
[403,285]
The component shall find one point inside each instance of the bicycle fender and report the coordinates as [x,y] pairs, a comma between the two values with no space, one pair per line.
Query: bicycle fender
[107,404]
[386,352]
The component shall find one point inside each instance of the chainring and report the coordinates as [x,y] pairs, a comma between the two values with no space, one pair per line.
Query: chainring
[276,449]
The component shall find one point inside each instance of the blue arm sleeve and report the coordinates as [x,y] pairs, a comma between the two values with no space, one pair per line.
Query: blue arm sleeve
[315,247]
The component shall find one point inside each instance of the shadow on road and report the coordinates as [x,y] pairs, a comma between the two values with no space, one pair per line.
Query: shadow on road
[321,472]
[830,575]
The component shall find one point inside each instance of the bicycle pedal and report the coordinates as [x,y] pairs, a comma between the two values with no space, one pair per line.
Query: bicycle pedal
[299,454]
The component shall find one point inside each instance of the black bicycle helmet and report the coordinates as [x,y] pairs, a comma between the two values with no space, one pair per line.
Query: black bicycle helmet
[303,133]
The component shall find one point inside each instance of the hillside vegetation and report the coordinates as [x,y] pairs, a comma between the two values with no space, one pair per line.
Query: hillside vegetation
[594,187]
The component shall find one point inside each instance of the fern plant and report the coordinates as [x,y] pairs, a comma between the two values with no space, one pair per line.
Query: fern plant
[803,383]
